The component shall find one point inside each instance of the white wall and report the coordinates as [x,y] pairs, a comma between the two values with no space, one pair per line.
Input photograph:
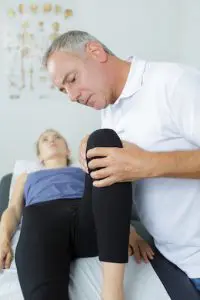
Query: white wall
[160,30]
[189,37]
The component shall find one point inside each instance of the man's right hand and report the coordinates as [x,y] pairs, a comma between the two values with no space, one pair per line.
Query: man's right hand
[82,153]
[6,254]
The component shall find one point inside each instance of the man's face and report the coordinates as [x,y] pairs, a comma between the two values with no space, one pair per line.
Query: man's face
[82,77]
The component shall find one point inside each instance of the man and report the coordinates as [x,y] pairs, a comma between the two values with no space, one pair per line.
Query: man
[155,107]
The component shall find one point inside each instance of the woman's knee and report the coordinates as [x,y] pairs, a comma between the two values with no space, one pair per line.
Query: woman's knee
[104,138]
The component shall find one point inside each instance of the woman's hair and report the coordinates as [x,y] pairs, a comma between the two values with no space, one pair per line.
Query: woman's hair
[68,161]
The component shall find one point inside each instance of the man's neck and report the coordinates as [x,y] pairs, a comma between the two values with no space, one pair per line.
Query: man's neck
[121,69]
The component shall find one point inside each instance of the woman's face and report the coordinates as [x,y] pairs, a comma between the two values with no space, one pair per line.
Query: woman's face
[52,145]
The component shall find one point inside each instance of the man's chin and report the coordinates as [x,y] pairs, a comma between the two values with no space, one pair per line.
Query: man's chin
[97,106]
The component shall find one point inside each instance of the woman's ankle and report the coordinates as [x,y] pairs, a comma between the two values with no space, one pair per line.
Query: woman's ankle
[113,293]
[113,281]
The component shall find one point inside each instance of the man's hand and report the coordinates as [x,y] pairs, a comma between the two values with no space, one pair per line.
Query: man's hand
[82,153]
[6,254]
[119,164]
[139,248]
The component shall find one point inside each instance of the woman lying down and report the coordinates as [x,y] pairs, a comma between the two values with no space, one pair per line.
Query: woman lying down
[65,217]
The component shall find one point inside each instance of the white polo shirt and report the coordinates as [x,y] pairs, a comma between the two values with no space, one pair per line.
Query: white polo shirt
[159,110]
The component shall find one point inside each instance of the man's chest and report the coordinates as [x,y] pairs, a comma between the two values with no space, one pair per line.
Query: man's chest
[146,121]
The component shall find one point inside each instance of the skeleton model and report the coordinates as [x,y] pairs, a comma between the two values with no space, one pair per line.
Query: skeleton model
[27,43]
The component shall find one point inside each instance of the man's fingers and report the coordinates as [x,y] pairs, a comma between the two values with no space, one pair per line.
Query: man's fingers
[84,166]
[104,182]
[98,163]
[83,162]
[82,154]
[1,262]
[101,174]
[8,260]
[98,152]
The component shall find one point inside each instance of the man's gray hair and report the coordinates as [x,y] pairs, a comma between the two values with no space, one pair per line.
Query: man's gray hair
[72,41]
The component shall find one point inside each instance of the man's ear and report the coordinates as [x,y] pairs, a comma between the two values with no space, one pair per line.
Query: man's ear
[96,51]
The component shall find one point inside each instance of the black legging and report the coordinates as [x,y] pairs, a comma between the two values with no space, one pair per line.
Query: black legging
[56,232]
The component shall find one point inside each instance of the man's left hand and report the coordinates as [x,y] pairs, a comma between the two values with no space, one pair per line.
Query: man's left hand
[118,164]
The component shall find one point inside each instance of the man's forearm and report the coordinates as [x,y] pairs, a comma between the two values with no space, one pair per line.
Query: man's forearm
[177,164]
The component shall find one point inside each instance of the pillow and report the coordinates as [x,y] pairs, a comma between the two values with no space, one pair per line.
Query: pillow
[23,166]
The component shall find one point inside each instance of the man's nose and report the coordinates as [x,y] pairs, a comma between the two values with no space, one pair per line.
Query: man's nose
[74,95]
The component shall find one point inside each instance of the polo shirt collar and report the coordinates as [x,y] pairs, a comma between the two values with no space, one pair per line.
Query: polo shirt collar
[135,77]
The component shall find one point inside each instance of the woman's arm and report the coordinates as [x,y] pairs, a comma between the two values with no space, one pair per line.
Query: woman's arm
[9,222]
[12,214]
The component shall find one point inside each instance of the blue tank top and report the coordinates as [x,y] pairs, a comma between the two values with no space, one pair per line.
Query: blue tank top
[52,184]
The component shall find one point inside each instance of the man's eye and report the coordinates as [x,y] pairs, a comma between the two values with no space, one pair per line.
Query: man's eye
[63,90]
[72,79]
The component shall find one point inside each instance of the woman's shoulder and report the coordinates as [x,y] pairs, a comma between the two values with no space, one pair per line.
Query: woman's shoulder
[22,177]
